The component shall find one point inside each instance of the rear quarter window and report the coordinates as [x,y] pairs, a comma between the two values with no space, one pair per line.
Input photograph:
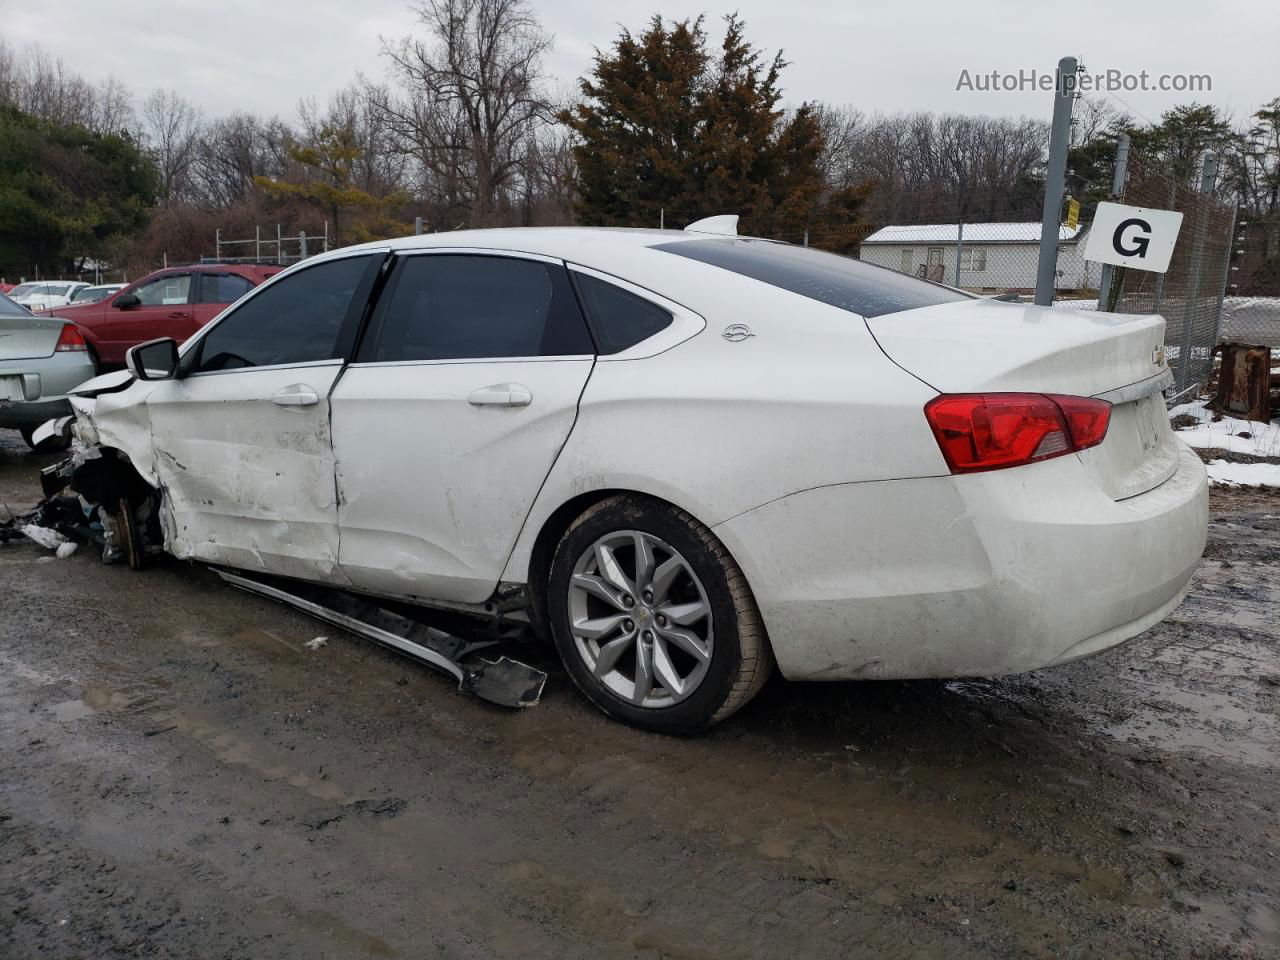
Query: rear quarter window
[843,282]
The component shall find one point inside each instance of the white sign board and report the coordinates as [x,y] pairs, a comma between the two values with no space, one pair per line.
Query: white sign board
[1133,236]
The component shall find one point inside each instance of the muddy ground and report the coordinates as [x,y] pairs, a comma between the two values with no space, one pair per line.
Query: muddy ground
[181,777]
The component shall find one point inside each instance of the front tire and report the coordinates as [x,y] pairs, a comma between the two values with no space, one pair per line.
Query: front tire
[652,617]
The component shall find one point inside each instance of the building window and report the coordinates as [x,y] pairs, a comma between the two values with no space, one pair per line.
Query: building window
[906,266]
[973,258]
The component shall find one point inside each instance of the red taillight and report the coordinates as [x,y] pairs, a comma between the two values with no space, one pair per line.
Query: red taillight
[988,431]
[70,339]
[1088,418]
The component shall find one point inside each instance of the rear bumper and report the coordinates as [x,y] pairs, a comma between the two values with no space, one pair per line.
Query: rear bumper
[976,575]
[45,382]
[18,414]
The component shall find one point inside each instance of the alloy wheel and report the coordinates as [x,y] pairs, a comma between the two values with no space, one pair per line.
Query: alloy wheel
[640,619]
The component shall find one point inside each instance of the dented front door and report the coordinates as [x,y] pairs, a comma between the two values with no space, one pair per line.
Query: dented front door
[246,462]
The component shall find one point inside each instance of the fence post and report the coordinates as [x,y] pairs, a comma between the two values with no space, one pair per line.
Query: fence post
[217,243]
[1208,178]
[662,218]
[257,243]
[279,245]
[1055,178]
[417,226]
[1117,193]
[959,249]
[302,245]
[326,236]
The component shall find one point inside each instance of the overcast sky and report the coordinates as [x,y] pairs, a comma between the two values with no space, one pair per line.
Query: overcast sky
[238,54]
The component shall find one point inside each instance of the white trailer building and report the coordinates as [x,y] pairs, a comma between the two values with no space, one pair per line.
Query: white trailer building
[994,257]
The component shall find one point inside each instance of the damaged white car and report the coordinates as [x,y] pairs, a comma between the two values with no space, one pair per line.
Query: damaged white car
[692,455]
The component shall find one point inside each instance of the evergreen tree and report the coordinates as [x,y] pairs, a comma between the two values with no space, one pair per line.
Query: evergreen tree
[666,126]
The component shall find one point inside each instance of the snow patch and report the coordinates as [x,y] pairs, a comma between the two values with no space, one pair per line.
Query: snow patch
[1224,474]
[1261,440]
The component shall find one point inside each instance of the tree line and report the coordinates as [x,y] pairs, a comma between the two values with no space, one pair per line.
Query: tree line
[671,123]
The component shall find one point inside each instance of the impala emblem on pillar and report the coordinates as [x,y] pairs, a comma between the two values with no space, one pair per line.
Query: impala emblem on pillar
[737,332]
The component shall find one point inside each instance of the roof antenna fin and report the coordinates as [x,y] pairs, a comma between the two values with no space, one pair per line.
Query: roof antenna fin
[725,225]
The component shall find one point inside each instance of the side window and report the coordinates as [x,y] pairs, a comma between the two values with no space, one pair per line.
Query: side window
[295,320]
[453,307]
[619,318]
[223,287]
[165,291]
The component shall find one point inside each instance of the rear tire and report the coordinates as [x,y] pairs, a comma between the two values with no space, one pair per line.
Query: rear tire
[653,618]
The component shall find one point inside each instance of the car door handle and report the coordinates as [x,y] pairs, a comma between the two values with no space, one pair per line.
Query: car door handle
[295,395]
[178,315]
[501,395]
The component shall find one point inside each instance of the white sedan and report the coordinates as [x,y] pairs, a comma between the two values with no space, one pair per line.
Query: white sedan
[696,454]
[44,294]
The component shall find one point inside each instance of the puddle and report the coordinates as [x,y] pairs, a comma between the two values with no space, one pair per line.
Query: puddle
[93,699]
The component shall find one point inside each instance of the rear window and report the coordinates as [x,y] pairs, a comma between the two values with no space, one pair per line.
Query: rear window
[10,309]
[842,282]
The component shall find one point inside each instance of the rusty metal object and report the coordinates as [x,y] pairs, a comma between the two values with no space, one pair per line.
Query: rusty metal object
[1244,382]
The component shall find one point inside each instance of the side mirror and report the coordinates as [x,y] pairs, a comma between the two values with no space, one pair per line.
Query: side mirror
[153,360]
[126,301]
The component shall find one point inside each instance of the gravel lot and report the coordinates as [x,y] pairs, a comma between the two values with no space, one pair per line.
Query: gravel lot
[181,777]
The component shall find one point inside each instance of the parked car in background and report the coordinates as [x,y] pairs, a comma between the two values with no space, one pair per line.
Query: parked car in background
[41,358]
[42,294]
[173,302]
[97,293]
[695,452]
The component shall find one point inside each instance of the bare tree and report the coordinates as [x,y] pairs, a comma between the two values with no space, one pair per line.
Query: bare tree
[172,126]
[471,96]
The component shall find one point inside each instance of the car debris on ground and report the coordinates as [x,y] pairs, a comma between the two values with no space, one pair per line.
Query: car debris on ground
[110,507]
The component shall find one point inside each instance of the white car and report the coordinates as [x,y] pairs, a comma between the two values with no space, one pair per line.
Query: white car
[43,294]
[696,454]
[97,293]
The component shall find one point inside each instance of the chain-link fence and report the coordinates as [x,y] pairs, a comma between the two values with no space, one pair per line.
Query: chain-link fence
[1251,309]
[1190,294]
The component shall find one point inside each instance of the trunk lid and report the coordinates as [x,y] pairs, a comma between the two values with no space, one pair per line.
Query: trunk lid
[28,338]
[982,346]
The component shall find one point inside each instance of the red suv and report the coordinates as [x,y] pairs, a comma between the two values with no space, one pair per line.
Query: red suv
[174,302]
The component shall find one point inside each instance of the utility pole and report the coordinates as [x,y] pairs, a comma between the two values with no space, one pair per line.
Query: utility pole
[1117,193]
[1055,179]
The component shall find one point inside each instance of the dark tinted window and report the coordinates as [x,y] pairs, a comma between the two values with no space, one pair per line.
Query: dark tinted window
[295,320]
[840,281]
[452,307]
[619,318]
[223,287]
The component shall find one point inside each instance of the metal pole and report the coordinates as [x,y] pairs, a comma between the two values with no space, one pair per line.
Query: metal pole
[302,245]
[662,218]
[279,244]
[1117,193]
[417,226]
[806,237]
[959,249]
[257,243]
[217,243]
[326,236]
[1055,179]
